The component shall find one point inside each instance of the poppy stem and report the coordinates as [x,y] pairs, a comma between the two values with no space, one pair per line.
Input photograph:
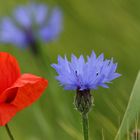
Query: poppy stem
[85,126]
[9,132]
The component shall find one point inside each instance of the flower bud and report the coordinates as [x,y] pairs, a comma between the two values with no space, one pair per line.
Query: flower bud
[83,101]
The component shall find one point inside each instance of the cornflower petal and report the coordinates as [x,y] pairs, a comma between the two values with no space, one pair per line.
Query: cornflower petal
[54,26]
[9,33]
[29,24]
[22,15]
[81,75]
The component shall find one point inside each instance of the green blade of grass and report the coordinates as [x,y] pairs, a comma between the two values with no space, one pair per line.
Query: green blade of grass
[132,110]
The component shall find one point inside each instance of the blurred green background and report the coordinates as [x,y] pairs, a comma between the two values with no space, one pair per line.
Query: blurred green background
[111,27]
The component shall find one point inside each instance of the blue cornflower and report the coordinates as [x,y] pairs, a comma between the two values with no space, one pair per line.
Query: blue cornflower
[81,75]
[30,24]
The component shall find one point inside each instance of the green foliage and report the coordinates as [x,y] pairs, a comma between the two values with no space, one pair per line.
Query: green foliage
[132,110]
[110,26]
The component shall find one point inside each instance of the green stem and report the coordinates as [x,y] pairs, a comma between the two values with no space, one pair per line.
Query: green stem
[85,126]
[9,132]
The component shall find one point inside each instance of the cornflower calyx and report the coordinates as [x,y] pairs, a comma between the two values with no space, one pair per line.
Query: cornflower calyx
[83,101]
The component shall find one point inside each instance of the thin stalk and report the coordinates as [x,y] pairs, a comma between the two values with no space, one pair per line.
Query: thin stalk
[85,126]
[9,132]
[42,61]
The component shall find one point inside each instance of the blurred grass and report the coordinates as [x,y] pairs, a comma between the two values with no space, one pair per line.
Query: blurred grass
[132,111]
[110,26]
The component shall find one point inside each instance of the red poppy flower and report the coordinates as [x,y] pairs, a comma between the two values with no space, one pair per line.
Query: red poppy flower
[16,91]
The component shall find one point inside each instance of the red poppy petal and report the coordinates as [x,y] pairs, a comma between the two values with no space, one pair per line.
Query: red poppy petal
[8,95]
[7,111]
[9,70]
[30,88]
[27,89]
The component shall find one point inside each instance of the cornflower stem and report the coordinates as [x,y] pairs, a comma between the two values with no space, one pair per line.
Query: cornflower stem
[85,126]
[9,132]
[41,59]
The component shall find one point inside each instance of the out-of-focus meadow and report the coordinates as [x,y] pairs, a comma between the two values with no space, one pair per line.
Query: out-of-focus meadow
[111,27]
